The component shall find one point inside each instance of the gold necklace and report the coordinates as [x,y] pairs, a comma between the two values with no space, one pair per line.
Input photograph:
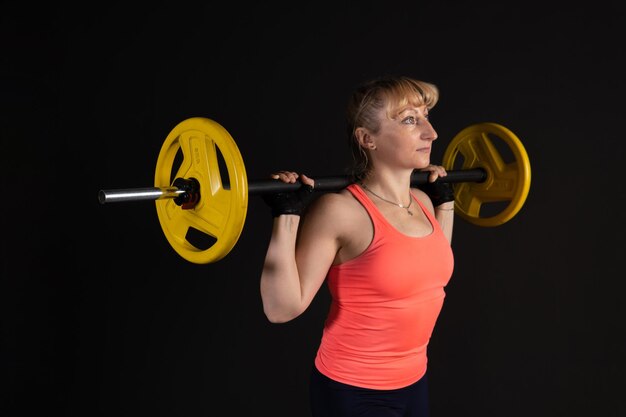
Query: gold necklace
[392,202]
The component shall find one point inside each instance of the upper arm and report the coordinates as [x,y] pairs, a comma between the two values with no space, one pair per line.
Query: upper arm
[318,242]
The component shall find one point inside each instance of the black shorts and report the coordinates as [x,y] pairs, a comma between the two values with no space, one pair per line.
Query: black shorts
[330,398]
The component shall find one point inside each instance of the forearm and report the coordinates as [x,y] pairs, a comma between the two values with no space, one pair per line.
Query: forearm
[280,282]
[444,214]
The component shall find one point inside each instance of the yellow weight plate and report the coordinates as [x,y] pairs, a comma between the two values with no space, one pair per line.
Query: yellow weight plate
[506,180]
[220,214]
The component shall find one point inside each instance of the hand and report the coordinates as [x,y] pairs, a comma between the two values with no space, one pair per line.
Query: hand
[291,177]
[291,202]
[438,191]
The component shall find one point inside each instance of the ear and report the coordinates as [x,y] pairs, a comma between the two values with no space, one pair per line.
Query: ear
[366,141]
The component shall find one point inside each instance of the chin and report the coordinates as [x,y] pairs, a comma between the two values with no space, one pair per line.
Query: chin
[422,164]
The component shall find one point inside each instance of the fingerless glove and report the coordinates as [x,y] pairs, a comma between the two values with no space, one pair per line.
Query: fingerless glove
[439,192]
[292,202]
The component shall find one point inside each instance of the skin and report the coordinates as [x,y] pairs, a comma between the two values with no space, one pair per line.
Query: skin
[337,228]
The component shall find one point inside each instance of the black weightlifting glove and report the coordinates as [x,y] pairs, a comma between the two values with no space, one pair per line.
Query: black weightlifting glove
[439,192]
[292,202]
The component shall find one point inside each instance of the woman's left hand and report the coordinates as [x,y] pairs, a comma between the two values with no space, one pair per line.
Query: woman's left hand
[439,192]
[435,171]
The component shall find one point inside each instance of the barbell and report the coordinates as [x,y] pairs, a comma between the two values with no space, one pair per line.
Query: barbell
[203,210]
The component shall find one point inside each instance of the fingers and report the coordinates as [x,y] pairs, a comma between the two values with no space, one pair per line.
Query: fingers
[308,181]
[291,177]
[285,176]
[436,171]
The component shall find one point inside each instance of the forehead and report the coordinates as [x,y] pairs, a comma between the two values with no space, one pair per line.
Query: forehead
[410,109]
[396,104]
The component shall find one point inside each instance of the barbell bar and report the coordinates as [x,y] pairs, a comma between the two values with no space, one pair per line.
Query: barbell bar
[212,201]
[259,187]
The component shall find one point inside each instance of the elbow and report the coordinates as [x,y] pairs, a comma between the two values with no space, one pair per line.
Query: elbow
[278,317]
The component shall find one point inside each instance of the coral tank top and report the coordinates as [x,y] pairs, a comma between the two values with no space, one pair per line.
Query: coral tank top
[385,303]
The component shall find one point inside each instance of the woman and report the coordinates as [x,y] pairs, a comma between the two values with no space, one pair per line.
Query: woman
[384,250]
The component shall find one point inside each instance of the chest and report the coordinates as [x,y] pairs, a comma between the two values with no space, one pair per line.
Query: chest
[411,222]
[395,266]
[358,233]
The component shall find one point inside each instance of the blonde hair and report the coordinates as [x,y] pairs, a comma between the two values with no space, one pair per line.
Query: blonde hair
[388,93]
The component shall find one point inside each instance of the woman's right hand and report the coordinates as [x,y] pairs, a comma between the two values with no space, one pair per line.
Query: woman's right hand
[291,177]
[290,202]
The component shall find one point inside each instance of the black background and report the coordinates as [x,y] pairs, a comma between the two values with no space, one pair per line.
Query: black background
[100,316]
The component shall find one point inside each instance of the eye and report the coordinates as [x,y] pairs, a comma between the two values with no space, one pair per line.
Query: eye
[409,120]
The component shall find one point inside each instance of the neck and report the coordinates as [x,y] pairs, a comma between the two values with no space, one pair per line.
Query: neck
[394,187]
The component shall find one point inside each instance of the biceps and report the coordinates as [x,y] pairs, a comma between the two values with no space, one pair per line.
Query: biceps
[315,251]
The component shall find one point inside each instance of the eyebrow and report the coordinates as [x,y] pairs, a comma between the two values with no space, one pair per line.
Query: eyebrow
[412,110]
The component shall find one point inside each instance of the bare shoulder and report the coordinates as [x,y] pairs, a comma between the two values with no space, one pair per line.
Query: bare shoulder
[334,207]
[337,213]
[339,217]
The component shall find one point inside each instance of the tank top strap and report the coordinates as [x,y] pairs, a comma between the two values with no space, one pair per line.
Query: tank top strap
[431,217]
[369,205]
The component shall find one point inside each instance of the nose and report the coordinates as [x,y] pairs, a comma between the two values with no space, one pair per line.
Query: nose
[429,133]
